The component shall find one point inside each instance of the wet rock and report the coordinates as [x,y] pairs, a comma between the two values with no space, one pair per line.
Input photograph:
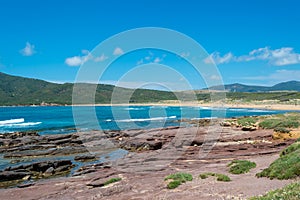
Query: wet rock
[249,128]
[11,175]
[141,144]
[84,158]
[49,171]
[25,185]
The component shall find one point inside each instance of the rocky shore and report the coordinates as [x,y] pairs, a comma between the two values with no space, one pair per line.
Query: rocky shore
[72,166]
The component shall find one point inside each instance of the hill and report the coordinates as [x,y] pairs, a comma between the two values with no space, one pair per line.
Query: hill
[16,90]
[236,87]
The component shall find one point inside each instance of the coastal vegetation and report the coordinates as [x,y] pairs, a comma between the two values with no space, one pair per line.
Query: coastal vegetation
[286,166]
[290,192]
[280,123]
[177,179]
[112,180]
[220,177]
[241,166]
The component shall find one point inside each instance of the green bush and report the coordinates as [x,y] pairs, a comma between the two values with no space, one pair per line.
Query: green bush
[173,184]
[285,167]
[247,121]
[269,123]
[241,166]
[220,177]
[292,148]
[178,179]
[281,122]
[289,192]
[112,180]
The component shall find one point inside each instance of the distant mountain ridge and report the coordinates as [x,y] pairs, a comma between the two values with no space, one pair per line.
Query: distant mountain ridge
[236,87]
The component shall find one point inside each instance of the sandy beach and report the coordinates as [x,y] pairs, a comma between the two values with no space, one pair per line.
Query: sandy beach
[216,105]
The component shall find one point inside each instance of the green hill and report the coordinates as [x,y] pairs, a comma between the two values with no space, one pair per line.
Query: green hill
[236,87]
[16,90]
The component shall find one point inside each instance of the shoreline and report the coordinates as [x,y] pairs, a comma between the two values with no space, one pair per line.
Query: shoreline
[186,104]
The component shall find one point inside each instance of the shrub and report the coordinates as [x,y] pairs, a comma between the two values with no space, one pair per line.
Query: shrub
[247,121]
[241,166]
[290,192]
[293,147]
[178,179]
[285,167]
[220,177]
[281,122]
[112,180]
[269,123]
[173,184]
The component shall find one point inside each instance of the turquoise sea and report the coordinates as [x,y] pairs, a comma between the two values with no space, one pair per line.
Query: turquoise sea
[60,119]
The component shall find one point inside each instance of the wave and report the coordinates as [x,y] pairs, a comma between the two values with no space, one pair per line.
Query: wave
[147,119]
[258,110]
[199,118]
[134,109]
[20,124]
[12,121]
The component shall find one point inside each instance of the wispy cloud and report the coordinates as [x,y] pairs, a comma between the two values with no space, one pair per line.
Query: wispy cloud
[275,57]
[157,60]
[101,58]
[28,50]
[79,60]
[218,59]
[150,58]
[118,51]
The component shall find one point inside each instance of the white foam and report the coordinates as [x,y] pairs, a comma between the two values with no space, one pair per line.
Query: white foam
[133,108]
[146,119]
[21,124]
[12,121]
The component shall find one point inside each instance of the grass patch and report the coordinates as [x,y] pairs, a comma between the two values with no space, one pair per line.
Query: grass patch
[247,121]
[220,177]
[281,122]
[178,179]
[173,184]
[285,167]
[112,180]
[241,166]
[290,192]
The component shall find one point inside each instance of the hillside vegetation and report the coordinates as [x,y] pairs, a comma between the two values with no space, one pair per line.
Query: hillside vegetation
[16,90]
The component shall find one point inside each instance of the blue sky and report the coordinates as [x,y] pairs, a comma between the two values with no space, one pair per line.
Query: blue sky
[252,41]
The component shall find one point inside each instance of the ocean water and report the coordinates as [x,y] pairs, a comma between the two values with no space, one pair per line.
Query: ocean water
[66,119]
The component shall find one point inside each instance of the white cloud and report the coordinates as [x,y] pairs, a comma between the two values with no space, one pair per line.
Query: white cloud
[140,62]
[28,50]
[215,77]
[118,51]
[101,58]
[79,60]
[157,60]
[276,57]
[218,59]
[185,54]
[74,61]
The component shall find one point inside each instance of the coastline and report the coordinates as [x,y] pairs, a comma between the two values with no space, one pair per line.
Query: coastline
[195,104]
[185,104]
